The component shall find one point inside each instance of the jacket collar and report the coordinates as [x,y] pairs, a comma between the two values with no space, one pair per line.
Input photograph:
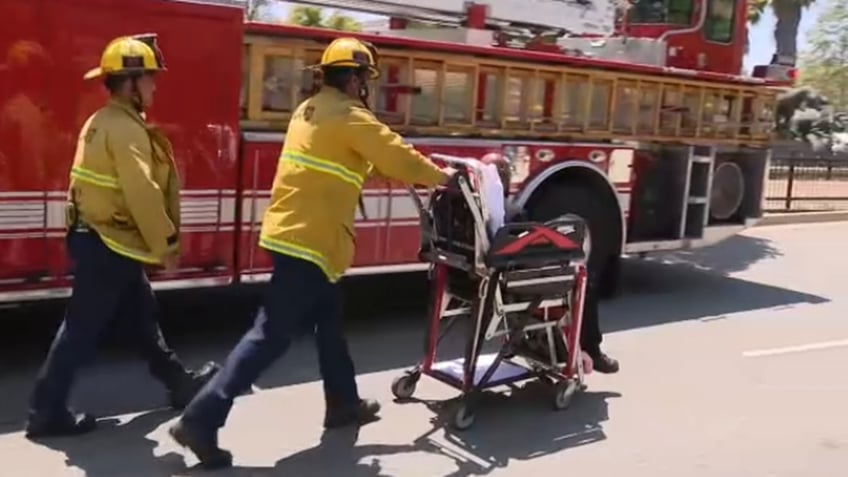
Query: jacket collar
[128,108]
[335,94]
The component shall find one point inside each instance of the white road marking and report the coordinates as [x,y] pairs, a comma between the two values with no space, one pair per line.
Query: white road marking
[795,349]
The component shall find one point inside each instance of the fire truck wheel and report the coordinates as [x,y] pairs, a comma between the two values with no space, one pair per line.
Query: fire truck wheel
[603,221]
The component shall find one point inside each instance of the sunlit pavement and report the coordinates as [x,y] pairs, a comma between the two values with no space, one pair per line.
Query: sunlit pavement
[732,365]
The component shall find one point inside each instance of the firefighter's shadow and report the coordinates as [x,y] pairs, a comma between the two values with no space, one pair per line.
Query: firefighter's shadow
[521,426]
[116,447]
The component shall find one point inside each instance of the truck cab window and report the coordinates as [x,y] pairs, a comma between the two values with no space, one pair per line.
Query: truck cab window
[718,26]
[670,12]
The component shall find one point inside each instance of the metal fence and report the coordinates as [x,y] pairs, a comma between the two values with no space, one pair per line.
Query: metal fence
[807,183]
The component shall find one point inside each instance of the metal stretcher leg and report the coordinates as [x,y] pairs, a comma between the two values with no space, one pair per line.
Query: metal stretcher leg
[464,413]
[505,279]
[403,387]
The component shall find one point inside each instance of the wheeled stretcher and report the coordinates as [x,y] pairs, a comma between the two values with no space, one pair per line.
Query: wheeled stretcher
[519,285]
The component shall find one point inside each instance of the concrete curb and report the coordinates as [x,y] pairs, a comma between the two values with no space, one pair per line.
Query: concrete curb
[803,218]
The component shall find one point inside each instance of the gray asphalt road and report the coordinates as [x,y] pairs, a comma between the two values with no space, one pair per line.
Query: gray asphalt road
[731,366]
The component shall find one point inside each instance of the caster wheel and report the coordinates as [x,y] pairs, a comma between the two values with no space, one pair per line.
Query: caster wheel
[564,393]
[403,387]
[463,417]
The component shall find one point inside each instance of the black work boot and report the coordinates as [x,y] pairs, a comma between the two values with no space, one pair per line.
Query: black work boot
[603,363]
[66,424]
[205,447]
[363,412]
[183,391]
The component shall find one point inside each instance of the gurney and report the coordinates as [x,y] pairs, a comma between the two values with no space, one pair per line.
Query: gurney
[517,284]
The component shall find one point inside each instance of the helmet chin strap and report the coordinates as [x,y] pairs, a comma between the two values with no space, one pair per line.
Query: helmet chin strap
[137,102]
[364,93]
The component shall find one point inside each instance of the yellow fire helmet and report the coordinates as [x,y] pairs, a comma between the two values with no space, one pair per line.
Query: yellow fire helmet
[128,55]
[352,53]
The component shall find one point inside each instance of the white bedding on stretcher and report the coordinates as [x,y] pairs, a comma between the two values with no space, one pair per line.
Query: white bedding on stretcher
[491,191]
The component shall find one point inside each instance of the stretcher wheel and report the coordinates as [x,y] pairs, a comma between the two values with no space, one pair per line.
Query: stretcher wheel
[463,417]
[403,387]
[564,392]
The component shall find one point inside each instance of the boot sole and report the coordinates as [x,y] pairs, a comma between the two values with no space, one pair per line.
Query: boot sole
[225,460]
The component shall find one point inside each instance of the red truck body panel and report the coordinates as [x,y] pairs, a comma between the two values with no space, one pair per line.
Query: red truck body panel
[227,172]
[44,102]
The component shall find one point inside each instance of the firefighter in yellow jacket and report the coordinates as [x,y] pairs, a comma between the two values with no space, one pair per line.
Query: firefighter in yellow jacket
[123,214]
[332,144]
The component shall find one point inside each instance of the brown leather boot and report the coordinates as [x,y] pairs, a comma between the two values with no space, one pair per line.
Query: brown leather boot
[205,447]
[603,363]
[361,413]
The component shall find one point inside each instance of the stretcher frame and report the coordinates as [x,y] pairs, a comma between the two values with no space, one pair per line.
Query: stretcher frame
[494,316]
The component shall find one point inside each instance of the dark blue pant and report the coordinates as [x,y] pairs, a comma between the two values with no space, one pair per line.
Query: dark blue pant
[299,300]
[106,286]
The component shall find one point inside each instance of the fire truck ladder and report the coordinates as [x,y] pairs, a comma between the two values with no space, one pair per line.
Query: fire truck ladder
[593,17]
[694,211]
[430,92]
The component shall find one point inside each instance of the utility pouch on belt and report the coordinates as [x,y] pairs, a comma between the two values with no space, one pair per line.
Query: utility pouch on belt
[72,218]
[71,215]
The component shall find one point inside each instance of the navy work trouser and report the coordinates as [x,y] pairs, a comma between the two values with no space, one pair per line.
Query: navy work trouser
[299,300]
[106,286]
[590,335]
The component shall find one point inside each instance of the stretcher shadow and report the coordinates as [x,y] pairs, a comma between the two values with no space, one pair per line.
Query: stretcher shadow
[519,426]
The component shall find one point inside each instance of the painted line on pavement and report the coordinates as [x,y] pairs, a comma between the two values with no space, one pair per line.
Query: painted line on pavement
[796,349]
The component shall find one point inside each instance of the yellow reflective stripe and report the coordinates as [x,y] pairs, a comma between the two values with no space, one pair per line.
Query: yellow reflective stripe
[102,180]
[327,167]
[128,252]
[299,251]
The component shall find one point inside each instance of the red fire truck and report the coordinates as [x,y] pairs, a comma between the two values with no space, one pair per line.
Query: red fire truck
[634,118]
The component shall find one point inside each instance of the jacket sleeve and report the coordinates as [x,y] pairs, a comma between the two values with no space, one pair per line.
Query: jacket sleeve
[386,150]
[145,200]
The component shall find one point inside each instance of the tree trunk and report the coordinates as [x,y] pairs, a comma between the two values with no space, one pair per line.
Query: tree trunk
[788,14]
[253,10]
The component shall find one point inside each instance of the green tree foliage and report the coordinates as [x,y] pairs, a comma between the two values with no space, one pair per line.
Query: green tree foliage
[788,15]
[315,17]
[815,111]
[824,66]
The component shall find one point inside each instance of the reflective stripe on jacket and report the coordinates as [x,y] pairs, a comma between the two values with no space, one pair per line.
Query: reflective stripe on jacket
[123,184]
[332,146]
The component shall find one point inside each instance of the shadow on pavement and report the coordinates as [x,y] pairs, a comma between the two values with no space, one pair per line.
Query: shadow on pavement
[386,326]
[527,413]
[120,448]
[669,293]
[734,254]
[484,448]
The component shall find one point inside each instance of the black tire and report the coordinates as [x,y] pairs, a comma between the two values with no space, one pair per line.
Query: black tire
[604,227]
[462,417]
[403,387]
[564,393]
